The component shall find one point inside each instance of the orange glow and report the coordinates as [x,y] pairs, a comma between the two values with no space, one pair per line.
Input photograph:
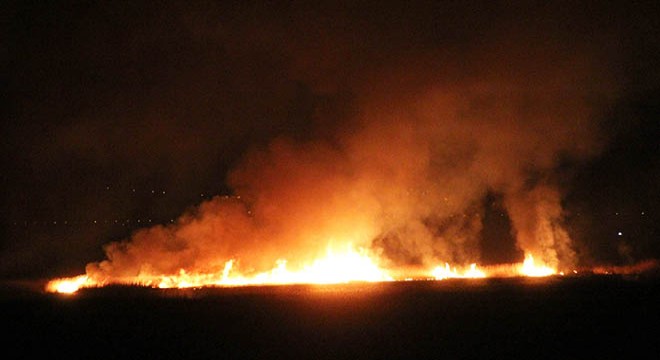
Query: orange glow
[446,272]
[336,267]
[341,267]
[69,285]
[530,268]
[644,266]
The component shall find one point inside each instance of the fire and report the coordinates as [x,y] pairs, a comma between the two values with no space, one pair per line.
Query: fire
[336,267]
[530,268]
[446,272]
[69,285]
[349,265]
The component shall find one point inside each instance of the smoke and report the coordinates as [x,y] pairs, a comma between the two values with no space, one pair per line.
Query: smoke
[403,167]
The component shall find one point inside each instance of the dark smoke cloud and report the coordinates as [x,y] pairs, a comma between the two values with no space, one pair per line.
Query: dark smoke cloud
[380,125]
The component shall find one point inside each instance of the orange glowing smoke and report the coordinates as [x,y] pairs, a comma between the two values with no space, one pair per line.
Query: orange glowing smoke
[405,184]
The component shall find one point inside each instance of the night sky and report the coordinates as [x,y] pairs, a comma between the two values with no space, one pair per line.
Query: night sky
[121,115]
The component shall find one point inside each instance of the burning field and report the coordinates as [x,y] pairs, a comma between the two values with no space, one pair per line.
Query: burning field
[349,267]
[396,190]
[402,195]
[368,153]
[331,180]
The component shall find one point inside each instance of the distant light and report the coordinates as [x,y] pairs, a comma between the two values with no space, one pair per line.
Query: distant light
[642,213]
[620,233]
[163,192]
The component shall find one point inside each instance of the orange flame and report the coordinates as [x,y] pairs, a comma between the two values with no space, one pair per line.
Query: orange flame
[336,267]
[343,267]
[69,285]
[530,268]
[347,266]
[446,272]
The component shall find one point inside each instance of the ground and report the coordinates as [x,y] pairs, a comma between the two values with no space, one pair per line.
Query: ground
[554,318]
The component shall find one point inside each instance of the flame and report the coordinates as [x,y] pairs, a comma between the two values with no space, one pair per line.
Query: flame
[69,285]
[336,267]
[342,267]
[446,272]
[530,268]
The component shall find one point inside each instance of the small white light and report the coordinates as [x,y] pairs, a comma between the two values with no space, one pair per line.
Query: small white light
[620,233]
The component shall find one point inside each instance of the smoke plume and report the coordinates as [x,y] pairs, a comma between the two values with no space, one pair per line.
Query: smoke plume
[403,166]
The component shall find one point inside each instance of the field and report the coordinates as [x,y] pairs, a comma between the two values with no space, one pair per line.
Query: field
[526,318]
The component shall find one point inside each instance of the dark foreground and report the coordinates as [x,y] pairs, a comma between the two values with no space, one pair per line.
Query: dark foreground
[556,318]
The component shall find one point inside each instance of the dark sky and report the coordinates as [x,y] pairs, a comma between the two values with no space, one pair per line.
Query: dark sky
[119,115]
